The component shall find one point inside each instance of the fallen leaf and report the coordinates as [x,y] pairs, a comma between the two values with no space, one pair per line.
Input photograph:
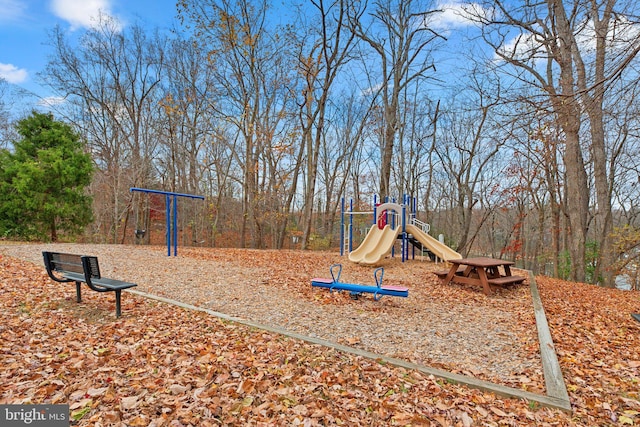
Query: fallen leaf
[177,389]
[95,392]
[498,411]
[625,420]
[467,421]
[129,402]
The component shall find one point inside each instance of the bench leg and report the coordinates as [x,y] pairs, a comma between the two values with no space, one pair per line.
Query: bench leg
[118,292]
[78,293]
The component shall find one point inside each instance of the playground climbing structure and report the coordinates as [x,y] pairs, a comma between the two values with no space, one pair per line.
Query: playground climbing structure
[392,221]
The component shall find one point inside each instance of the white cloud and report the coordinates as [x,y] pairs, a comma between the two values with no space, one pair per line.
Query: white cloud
[81,13]
[622,32]
[522,47]
[12,10]
[13,74]
[455,15]
[371,90]
[527,46]
[51,101]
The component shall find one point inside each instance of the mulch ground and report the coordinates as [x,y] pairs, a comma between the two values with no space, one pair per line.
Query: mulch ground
[161,365]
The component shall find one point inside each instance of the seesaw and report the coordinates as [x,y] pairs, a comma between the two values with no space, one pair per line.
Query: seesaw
[378,291]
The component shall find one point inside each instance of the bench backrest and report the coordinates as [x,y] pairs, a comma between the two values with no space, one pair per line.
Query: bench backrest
[71,263]
[91,266]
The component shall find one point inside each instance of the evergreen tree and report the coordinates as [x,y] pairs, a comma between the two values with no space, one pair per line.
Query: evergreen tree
[43,181]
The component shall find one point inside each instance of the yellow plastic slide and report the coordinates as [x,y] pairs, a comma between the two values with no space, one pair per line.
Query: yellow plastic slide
[440,250]
[376,245]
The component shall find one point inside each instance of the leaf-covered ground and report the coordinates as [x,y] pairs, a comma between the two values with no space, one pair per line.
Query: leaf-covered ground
[162,365]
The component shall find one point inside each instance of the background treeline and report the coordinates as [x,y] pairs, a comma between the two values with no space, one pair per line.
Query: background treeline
[514,124]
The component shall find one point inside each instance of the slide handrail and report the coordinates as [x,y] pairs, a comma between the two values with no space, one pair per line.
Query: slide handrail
[422,225]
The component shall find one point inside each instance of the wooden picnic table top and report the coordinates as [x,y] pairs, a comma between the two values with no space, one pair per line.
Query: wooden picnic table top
[482,262]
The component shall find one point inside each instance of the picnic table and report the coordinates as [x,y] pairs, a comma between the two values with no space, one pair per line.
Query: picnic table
[483,271]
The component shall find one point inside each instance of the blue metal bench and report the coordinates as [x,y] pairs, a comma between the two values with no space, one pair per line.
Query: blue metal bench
[355,290]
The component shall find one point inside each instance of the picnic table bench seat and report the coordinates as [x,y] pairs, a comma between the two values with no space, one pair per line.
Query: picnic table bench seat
[65,268]
[443,273]
[506,280]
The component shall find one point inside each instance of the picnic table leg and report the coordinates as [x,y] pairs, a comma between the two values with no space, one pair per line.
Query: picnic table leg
[493,272]
[452,272]
[484,281]
[507,270]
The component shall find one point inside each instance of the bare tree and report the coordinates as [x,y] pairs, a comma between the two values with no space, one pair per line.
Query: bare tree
[415,140]
[338,153]
[571,52]
[110,80]
[542,151]
[399,34]
[187,132]
[323,50]
[242,53]
[466,149]
[616,46]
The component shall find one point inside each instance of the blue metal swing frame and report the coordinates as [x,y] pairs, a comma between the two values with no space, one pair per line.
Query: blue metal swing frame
[170,231]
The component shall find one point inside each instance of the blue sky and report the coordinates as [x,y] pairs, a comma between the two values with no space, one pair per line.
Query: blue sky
[24,25]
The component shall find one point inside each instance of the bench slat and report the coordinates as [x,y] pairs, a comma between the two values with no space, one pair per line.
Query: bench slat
[73,276]
[66,262]
[112,283]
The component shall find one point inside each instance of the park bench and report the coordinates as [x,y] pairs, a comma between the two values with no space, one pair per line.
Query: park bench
[80,269]
[356,290]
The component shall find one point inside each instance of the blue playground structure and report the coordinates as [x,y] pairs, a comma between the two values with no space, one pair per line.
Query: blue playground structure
[392,221]
[378,291]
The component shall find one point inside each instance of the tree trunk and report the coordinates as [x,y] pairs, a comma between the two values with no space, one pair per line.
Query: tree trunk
[577,206]
[567,108]
[387,149]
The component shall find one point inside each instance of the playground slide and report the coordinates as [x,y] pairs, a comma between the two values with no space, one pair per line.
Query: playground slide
[376,245]
[440,250]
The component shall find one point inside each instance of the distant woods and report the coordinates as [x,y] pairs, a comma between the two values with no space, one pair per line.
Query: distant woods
[515,125]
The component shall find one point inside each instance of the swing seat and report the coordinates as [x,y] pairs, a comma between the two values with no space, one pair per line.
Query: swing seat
[140,233]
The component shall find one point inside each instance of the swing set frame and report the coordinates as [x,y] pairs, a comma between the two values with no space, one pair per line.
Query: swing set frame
[171,199]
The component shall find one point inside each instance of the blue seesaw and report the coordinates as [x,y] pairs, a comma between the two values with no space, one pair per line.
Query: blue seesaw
[378,291]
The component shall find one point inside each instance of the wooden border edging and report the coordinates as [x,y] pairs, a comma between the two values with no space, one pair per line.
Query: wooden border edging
[553,379]
[551,400]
